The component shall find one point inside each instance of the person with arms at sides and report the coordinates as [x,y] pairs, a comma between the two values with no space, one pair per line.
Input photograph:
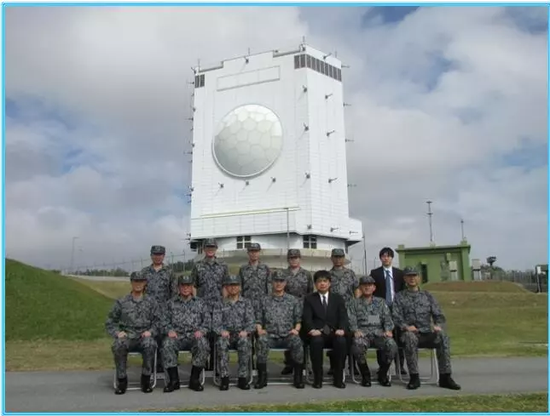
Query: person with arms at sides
[325,325]
[389,281]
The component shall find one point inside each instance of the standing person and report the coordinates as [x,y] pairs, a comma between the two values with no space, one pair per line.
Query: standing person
[344,282]
[162,285]
[414,310]
[208,275]
[186,326]
[255,277]
[325,324]
[299,283]
[134,322]
[389,281]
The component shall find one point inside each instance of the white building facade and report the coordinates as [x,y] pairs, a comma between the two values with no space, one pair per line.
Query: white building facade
[269,158]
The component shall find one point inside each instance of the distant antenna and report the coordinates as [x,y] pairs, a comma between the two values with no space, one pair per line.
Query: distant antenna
[430,220]
[462,229]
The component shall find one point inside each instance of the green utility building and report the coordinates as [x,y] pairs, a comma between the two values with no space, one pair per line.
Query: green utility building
[438,263]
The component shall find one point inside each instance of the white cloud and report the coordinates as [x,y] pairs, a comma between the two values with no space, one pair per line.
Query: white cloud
[112,93]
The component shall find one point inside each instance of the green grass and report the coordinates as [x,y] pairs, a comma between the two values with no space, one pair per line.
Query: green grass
[483,286]
[535,402]
[44,305]
[112,290]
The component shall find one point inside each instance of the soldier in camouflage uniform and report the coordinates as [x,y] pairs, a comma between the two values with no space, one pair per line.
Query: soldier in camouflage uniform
[162,285]
[208,275]
[134,322]
[344,282]
[299,283]
[278,324]
[255,277]
[413,311]
[186,327]
[371,324]
[233,323]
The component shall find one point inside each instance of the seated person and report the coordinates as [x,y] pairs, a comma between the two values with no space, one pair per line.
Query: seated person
[133,322]
[371,324]
[325,322]
[413,311]
[186,327]
[278,324]
[233,323]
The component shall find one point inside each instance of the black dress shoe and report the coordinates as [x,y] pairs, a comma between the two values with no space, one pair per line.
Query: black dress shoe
[339,384]
[447,382]
[317,385]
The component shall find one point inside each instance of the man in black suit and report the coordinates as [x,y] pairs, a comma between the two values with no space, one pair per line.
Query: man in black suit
[389,280]
[325,325]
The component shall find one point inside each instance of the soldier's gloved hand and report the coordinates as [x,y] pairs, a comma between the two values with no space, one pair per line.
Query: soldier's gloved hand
[122,334]
[314,332]
[243,334]
[146,334]
[412,328]
[437,328]
[389,334]
[198,334]
[225,334]
[293,332]
[358,334]
[172,334]
[262,332]
[339,332]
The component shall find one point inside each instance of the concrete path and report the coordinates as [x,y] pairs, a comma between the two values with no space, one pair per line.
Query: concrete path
[100,278]
[93,392]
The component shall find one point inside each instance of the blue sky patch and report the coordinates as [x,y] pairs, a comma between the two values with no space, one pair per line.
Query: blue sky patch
[387,14]
[530,155]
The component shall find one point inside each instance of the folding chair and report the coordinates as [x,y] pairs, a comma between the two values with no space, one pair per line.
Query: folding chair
[391,370]
[309,367]
[202,377]
[135,385]
[216,378]
[434,370]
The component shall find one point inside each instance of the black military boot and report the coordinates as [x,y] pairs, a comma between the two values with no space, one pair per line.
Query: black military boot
[262,376]
[365,373]
[173,382]
[225,384]
[288,364]
[447,382]
[122,385]
[243,383]
[414,382]
[299,376]
[194,382]
[146,384]
[383,378]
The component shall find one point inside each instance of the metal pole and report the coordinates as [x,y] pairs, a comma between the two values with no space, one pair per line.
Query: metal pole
[462,228]
[430,220]
[365,252]
[72,255]
[287,229]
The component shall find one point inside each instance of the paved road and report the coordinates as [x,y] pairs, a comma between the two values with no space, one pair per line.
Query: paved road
[99,278]
[93,392]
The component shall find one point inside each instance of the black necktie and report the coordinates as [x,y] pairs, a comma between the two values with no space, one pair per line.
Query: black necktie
[325,303]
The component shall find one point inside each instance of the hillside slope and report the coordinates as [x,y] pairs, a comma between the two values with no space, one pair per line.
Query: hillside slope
[44,305]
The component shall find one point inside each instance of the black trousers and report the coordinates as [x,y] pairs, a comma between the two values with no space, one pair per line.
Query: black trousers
[339,347]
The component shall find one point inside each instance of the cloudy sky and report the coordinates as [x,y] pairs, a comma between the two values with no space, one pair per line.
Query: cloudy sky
[448,104]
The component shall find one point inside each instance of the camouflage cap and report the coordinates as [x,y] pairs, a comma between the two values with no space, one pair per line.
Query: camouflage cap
[186,280]
[410,271]
[137,277]
[158,250]
[293,252]
[366,280]
[210,242]
[338,252]
[232,280]
[254,247]
[279,276]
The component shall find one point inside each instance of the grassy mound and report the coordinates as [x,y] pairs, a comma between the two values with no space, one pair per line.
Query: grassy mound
[44,305]
[482,286]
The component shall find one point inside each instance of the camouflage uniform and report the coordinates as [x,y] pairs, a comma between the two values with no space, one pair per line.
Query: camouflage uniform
[161,284]
[278,315]
[134,317]
[373,318]
[185,317]
[418,308]
[208,275]
[256,283]
[344,282]
[233,317]
[299,283]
